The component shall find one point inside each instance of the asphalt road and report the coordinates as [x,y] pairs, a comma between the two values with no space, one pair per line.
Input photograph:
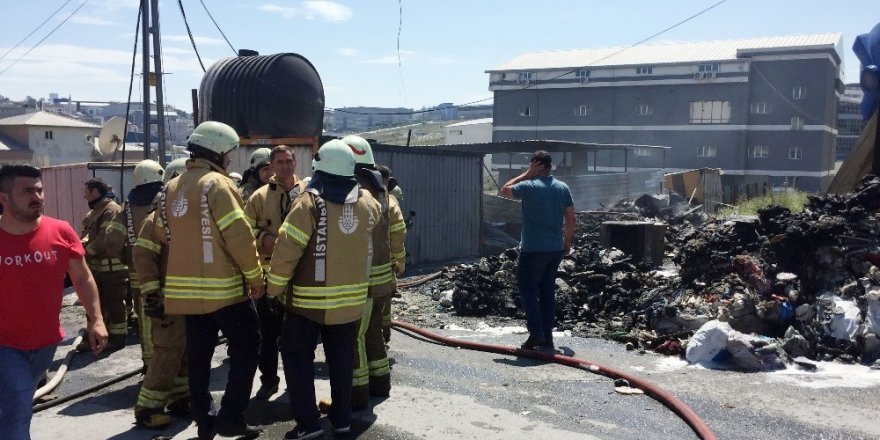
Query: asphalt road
[447,393]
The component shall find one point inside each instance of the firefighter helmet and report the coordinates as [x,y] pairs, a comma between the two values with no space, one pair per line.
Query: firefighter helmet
[147,171]
[363,153]
[175,168]
[335,157]
[214,136]
[235,178]
[260,157]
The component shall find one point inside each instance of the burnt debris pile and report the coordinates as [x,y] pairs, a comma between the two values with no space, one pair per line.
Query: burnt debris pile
[788,285]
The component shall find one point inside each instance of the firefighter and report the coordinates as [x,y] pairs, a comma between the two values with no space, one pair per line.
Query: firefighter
[372,373]
[165,383]
[213,273]
[257,174]
[266,210]
[148,176]
[395,192]
[321,266]
[103,236]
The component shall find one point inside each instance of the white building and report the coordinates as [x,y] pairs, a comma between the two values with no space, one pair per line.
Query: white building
[51,139]
[475,131]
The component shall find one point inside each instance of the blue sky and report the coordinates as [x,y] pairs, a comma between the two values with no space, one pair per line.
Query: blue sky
[445,46]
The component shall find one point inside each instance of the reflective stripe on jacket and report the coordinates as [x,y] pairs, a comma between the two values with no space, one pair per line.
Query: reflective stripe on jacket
[267,208]
[103,236]
[323,252]
[211,250]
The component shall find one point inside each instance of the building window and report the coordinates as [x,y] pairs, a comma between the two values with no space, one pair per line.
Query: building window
[645,70]
[525,111]
[797,123]
[48,134]
[761,108]
[583,75]
[644,109]
[795,153]
[526,76]
[706,151]
[455,132]
[708,67]
[583,110]
[758,152]
[799,92]
[710,112]
[642,151]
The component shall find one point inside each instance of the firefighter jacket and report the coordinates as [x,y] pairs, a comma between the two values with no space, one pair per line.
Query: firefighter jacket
[249,188]
[389,254]
[211,250]
[103,236]
[323,254]
[267,208]
[141,201]
[149,256]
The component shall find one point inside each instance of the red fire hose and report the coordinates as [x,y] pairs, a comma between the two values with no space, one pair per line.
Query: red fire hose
[677,406]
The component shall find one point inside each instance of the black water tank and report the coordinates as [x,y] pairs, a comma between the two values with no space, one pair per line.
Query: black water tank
[264,96]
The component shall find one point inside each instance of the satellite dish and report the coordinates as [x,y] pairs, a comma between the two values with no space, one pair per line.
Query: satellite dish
[112,133]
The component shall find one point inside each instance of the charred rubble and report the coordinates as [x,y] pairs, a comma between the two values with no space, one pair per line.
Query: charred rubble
[806,284]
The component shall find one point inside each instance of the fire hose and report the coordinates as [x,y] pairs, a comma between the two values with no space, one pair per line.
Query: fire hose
[686,413]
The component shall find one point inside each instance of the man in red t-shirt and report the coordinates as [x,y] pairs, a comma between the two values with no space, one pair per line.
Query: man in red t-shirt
[35,253]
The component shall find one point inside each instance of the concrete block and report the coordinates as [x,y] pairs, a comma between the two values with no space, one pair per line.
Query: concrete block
[643,241]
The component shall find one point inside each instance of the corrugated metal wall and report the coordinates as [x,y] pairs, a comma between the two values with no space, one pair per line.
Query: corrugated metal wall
[444,190]
[63,193]
[592,191]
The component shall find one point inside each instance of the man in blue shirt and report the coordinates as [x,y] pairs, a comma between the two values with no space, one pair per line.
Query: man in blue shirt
[543,243]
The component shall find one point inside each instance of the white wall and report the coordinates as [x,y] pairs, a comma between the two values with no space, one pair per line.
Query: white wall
[68,145]
[470,133]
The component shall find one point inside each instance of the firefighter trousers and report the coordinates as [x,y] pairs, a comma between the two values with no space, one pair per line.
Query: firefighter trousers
[145,323]
[240,324]
[386,321]
[372,373]
[166,379]
[112,286]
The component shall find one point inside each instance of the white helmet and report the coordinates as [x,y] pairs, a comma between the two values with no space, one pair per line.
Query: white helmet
[175,168]
[260,157]
[335,157]
[214,136]
[363,153]
[147,171]
[235,178]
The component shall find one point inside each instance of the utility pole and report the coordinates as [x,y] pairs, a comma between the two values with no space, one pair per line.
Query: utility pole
[160,99]
[145,66]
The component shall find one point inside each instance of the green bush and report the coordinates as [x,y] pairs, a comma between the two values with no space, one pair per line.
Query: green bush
[793,200]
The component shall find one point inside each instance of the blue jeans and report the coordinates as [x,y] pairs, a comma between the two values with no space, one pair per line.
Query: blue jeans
[20,370]
[536,274]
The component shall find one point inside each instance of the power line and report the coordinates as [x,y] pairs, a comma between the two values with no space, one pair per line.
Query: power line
[44,38]
[189,32]
[592,63]
[137,29]
[217,26]
[35,29]
[399,62]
